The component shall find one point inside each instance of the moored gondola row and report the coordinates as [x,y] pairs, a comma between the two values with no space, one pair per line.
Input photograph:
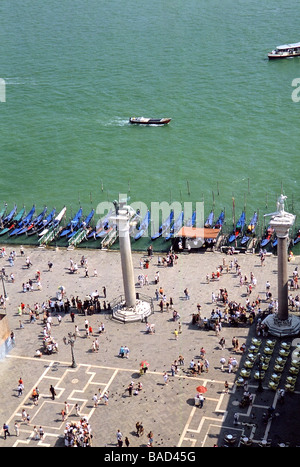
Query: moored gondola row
[174,230]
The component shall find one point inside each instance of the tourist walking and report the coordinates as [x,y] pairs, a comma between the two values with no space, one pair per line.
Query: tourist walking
[17,428]
[150,437]
[77,409]
[119,439]
[6,430]
[222,343]
[36,433]
[20,389]
[41,432]
[24,415]
[201,400]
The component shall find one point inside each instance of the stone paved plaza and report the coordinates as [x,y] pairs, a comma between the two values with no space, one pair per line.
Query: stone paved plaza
[168,410]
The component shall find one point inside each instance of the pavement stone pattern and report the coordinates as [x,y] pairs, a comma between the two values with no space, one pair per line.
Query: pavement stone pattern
[166,409]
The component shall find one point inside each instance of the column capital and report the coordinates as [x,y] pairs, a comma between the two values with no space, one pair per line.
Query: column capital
[282,224]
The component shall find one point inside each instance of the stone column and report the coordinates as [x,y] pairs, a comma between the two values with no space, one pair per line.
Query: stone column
[126,258]
[282,221]
[283,311]
[282,324]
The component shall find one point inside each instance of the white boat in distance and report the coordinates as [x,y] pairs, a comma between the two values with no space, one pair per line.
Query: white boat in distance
[285,51]
[149,121]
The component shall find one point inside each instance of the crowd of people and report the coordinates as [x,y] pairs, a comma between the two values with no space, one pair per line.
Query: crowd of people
[78,433]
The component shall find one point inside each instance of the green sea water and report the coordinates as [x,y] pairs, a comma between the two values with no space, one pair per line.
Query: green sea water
[76,70]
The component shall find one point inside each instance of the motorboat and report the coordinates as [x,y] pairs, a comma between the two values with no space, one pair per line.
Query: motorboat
[149,121]
[285,51]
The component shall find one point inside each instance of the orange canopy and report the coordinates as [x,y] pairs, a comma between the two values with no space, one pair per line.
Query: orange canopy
[198,232]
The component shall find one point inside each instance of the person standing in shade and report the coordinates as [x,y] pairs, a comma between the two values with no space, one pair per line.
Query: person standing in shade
[52,391]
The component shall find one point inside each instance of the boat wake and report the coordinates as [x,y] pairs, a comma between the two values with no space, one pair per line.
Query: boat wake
[117,121]
[18,80]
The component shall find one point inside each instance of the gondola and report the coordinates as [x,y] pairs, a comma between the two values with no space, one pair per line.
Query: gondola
[218,225]
[23,222]
[134,222]
[165,227]
[250,229]
[176,226]
[238,228]
[13,221]
[31,225]
[144,226]
[267,237]
[106,227]
[105,230]
[54,223]
[84,224]
[72,224]
[42,225]
[210,220]
[297,238]
[101,224]
[3,211]
[220,221]
[191,221]
[6,221]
